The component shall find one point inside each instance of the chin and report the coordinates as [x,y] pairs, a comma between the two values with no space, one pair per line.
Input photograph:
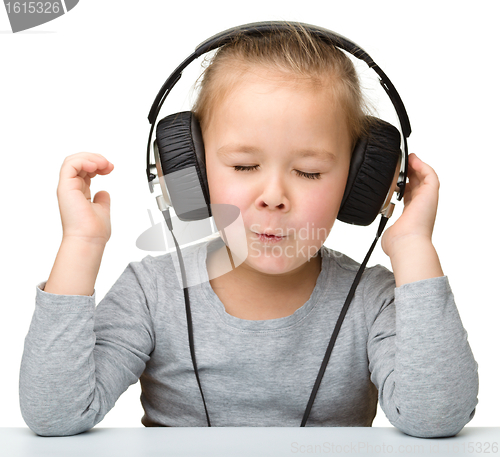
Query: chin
[272,264]
[269,266]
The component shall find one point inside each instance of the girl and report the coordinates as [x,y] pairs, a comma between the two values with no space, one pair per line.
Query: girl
[280,114]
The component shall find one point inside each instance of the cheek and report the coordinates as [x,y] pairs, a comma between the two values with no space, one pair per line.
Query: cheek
[317,217]
[324,203]
[223,184]
[319,209]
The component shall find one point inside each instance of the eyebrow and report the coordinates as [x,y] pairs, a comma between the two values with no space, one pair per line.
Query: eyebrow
[235,149]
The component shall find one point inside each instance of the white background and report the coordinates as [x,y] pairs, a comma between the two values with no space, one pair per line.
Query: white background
[86,81]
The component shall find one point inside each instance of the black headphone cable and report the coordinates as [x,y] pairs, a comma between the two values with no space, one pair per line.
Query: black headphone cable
[166,215]
[343,312]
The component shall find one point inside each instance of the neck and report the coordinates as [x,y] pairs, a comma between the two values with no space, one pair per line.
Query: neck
[250,294]
[245,275]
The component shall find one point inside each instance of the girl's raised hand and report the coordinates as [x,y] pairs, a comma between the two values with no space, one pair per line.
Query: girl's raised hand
[80,216]
[420,208]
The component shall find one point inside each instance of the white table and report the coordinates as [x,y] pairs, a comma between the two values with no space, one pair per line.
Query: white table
[243,442]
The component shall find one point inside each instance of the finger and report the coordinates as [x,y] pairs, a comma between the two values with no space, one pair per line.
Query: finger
[408,194]
[419,166]
[103,171]
[419,172]
[80,156]
[415,164]
[78,167]
[77,183]
[83,154]
[424,173]
[81,166]
[102,198]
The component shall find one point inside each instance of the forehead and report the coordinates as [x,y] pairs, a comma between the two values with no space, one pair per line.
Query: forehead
[236,77]
[233,76]
[238,149]
[259,91]
[266,113]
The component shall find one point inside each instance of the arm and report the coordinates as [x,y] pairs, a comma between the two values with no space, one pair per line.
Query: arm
[415,259]
[62,391]
[78,359]
[75,268]
[86,225]
[419,357]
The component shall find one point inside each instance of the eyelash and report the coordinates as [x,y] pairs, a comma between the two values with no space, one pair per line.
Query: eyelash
[301,173]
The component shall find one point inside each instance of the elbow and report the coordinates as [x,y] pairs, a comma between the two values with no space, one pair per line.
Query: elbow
[426,432]
[438,426]
[51,430]
[46,422]
[47,427]
[53,415]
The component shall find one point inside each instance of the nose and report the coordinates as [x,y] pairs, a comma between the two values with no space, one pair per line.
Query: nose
[273,196]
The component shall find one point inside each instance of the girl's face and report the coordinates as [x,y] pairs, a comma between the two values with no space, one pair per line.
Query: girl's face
[279,150]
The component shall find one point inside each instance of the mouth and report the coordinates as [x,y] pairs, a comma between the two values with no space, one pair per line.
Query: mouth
[269,237]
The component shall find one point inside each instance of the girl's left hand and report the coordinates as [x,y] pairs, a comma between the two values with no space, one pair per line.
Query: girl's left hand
[420,207]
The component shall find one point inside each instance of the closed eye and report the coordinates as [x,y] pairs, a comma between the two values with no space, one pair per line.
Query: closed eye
[300,173]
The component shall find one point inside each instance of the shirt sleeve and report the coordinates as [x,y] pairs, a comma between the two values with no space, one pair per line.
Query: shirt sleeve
[78,358]
[419,357]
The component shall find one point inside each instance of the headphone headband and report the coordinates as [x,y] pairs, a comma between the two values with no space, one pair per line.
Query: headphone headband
[259,28]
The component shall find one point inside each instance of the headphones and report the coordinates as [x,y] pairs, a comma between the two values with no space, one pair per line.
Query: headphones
[378,166]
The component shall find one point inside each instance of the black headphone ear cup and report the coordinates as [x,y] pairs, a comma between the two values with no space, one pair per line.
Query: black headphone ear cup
[371,173]
[182,158]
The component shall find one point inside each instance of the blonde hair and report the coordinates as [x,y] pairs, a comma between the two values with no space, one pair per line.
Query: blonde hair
[293,52]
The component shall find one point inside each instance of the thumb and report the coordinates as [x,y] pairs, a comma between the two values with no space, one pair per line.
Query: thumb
[102,198]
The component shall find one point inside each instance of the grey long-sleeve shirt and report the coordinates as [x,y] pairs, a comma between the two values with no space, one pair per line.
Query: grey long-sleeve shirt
[404,346]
